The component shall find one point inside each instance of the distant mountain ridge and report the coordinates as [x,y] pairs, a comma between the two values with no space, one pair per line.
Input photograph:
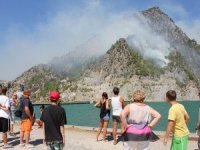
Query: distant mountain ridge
[84,76]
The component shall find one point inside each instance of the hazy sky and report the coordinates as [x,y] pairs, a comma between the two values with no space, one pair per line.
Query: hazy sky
[35,31]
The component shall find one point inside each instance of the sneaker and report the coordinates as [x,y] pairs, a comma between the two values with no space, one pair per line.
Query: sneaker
[7,146]
[21,144]
[29,146]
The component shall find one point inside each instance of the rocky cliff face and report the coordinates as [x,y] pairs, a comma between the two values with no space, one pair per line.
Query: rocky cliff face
[123,66]
[162,24]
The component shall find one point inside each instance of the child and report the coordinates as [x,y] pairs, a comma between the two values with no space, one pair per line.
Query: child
[54,119]
[177,123]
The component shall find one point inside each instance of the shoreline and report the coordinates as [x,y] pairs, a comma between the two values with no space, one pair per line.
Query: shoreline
[192,136]
[92,102]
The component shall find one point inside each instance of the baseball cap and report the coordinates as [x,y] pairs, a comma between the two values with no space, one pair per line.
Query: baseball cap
[54,95]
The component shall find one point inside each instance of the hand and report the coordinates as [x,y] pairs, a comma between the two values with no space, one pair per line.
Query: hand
[127,126]
[165,141]
[63,143]
[31,118]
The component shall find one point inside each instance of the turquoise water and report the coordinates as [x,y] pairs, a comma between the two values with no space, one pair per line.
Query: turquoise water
[88,115]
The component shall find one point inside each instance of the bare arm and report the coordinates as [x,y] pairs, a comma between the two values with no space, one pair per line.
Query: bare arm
[156,116]
[168,131]
[107,105]
[62,130]
[27,111]
[7,109]
[125,112]
[97,104]
[123,102]
[187,118]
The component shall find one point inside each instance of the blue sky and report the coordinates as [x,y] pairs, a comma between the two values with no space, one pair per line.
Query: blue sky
[44,29]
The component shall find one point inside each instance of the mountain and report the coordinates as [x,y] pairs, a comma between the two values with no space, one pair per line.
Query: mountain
[165,26]
[83,74]
[69,64]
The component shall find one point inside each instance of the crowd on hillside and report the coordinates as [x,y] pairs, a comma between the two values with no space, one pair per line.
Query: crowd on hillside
[136,120]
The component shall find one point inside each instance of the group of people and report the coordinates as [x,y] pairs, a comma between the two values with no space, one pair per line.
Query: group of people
[53,119]
[137,120]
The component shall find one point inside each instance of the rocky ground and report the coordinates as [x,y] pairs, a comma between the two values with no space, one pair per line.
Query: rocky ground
[83,139]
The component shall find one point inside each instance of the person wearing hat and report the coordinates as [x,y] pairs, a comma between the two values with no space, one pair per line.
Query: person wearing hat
[54,119]
[26,119]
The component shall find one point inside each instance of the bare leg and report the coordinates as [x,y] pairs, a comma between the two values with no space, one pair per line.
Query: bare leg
[27,138]
[99,130]
[122,127]
[105,126]
[199,142]
[11,128]
[4,137]
[21,137]
[115,132]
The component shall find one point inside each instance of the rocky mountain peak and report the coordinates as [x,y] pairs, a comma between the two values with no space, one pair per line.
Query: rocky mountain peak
[161,23]
[116,60]
[156,13]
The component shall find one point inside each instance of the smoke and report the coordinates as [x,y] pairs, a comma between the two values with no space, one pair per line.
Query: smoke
[63,32]
[192,29]
[139,36]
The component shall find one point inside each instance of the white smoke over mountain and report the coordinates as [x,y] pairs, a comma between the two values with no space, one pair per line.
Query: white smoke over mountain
[64,31]
[139,36]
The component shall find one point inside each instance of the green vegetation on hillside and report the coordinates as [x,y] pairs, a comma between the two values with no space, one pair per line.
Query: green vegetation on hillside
[177,62]
[145,67]
[193,44]
[37,79]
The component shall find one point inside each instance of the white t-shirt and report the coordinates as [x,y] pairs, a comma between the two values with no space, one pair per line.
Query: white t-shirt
[4,101]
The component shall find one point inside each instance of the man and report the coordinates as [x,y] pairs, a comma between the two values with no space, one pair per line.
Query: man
[117,105]
[26,119]
[177,123]
[4,115]
[54,119]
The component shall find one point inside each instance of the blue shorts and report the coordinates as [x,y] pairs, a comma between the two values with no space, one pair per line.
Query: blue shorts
[105,118]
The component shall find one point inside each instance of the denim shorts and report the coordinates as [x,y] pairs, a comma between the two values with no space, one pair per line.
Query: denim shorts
[105,118]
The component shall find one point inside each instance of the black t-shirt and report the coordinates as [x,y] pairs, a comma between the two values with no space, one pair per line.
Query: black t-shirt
[53,117]
[26,103]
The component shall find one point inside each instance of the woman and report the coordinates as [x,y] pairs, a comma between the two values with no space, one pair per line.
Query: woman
[13,106]
[104,115]
[136,118]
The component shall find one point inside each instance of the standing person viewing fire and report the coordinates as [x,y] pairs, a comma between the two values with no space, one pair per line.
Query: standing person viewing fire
[54,119]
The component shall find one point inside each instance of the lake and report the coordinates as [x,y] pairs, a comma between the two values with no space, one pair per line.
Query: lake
[88,115]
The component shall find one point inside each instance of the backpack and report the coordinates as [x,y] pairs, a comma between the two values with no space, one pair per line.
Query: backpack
[18,112]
